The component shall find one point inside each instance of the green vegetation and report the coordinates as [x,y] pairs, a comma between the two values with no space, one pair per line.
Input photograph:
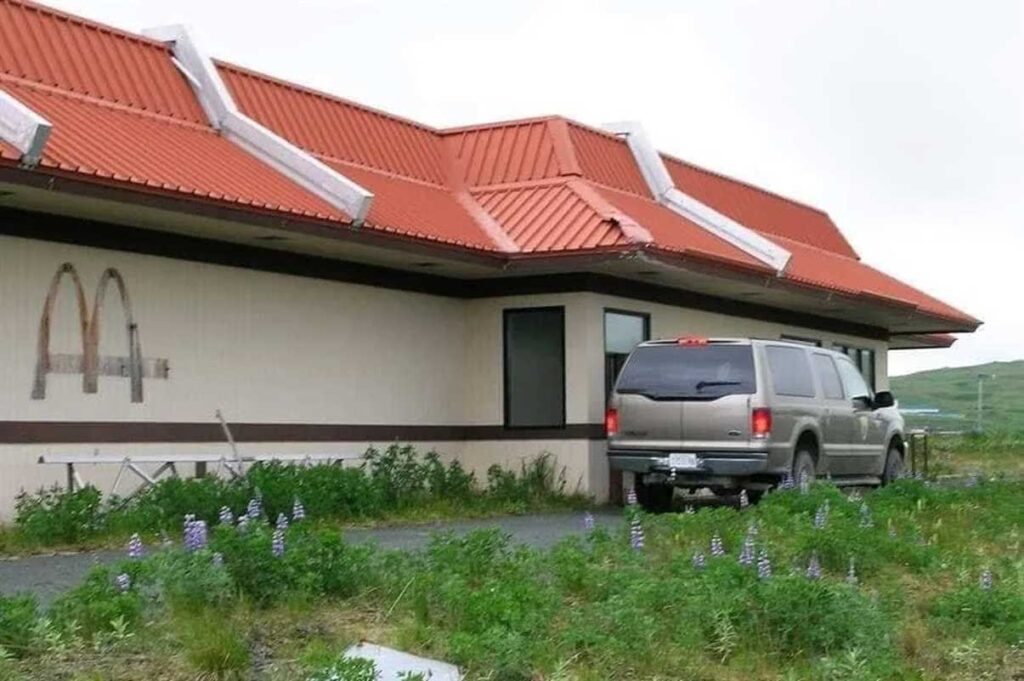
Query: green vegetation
[955,392]
[936,592]
[394,484]
[999,454]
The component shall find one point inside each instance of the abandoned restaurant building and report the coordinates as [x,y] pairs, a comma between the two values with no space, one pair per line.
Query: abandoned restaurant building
[181,236]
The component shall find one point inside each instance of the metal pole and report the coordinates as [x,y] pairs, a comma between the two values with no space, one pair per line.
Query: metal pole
[981,400]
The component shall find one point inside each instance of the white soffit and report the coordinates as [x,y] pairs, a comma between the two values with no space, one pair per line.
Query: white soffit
[658,179]
[23,129]
[219,107]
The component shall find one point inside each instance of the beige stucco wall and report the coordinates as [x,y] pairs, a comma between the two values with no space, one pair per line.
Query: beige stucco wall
[270,348]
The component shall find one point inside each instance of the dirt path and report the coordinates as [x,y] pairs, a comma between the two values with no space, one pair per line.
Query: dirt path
[48,575]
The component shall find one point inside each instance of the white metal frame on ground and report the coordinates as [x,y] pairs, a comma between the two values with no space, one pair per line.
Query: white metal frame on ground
[233,465]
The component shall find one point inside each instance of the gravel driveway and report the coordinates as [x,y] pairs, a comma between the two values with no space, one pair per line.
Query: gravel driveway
[47,576]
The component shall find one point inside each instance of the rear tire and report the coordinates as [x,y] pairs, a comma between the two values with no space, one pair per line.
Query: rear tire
[893,466]
[654,498]
[803,464]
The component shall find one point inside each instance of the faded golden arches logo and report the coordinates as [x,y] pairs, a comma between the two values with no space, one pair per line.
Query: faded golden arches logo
[90,363]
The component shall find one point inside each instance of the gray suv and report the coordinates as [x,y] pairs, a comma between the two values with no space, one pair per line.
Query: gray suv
[731,414]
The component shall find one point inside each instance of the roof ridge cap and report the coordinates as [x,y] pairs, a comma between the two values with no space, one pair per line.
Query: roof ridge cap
[512,122]
[106,103]
[323,94]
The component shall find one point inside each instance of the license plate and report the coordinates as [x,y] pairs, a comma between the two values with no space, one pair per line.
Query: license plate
[679,461]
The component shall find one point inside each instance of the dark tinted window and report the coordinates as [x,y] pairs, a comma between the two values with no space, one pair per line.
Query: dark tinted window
[535,367]
[826,370]
[689,371]
[791,374]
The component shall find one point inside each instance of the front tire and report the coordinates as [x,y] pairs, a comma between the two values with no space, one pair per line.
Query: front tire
[893,466]
[654,498]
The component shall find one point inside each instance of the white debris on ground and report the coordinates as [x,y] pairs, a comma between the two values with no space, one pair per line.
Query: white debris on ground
[394,665]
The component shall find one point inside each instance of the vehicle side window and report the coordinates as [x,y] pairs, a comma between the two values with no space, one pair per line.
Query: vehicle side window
[853,382]
[826,370]
[791,373]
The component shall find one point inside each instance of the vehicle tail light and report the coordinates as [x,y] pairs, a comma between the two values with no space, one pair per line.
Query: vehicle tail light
[611,422]
[692,340]
[761,422]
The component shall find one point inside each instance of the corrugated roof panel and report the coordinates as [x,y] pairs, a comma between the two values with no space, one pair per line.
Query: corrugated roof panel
[56,49]
[504,154]
[759,209]
[825,269]
[607,160]
[122,145]
[416,209]
[672,231]
[549,218]
[338,129]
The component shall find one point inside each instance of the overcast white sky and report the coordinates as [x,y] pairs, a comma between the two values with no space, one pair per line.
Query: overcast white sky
[904,120]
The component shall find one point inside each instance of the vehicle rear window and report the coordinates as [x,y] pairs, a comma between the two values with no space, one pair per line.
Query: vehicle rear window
[688,371]
[791,373]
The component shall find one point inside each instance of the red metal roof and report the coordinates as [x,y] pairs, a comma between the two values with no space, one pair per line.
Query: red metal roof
[334,128]
[768,213]
[115,144]
[49,47]
[550,217]
[124,114]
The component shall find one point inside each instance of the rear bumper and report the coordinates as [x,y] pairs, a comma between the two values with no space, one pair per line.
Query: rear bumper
[709,464]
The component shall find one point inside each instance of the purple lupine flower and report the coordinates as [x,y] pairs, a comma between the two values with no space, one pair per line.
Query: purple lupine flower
[298,510]
[805,482]
[699,561]
[814,567]
[135,549]
[744,499]
[631,497]
[865,516]
[123,582]
[277,543]
[217,559]
[851,574]
[226,517]
[243,523]
[764,566]
[821,516]
[588,521]
[985,581]
[690,510]
[746,557]
[752,529]
[282,522]
[195,534]
[787,482]
[636,534]
[717,548]
[254,509]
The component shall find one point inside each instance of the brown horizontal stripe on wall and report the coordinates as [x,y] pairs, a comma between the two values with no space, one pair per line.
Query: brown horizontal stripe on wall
[45,227]
[134,432]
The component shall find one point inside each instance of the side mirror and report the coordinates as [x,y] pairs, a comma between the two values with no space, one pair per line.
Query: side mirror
[884,400]
[862,403]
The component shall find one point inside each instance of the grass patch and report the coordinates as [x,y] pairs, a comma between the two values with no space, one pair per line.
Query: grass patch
[283,603]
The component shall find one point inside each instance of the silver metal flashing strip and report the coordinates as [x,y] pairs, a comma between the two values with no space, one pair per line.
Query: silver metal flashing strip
[222,112]
[658,179]
[23,129]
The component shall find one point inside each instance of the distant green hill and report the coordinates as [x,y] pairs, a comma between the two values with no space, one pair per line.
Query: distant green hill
[955,392]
